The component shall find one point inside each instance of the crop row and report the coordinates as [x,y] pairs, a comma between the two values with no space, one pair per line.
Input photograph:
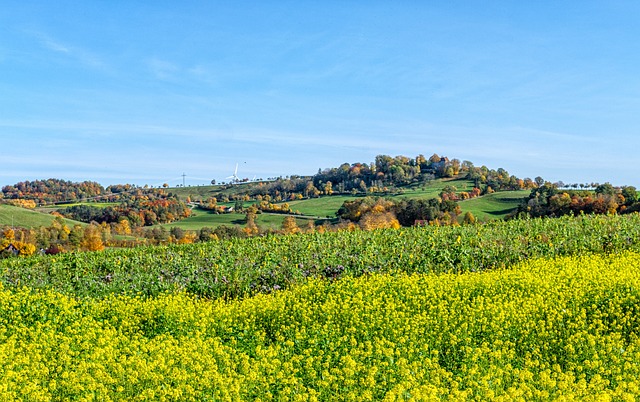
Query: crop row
[244,267]
[547,329]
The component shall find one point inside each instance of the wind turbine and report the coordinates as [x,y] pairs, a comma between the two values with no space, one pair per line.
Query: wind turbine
[234,178]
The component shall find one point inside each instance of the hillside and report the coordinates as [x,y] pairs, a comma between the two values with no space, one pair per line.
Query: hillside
[26,218]
[486,208]
[202,218]
[494,206]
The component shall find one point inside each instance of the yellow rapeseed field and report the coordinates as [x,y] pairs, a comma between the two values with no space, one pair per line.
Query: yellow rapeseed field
[563,329]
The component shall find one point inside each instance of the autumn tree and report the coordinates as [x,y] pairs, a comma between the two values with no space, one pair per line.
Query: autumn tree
[289,225]
[328,188]
[251,228]
[469,219]
[92,240]
[435,158]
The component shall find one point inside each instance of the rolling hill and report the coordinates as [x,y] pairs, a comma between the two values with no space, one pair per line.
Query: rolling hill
[26,218]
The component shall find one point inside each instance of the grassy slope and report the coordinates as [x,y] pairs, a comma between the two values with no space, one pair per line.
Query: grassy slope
[434,188]
[321,207]
[195,192]
[201,218]
[21,217]
[494,206]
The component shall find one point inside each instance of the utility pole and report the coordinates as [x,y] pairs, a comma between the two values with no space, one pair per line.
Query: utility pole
[183,176]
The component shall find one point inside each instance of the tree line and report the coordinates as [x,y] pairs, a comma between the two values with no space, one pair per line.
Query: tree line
[548,200]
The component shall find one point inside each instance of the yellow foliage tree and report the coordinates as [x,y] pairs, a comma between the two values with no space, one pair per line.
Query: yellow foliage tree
[9,234]
[289,225]
[251,228]
[92,239]
[469,219]
[28,204]
[378,220]
[188,238]
[124,227]
[25,249]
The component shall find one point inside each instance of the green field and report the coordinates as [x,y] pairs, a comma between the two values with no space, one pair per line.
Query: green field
[201,218]
[75,204]
[325,206]
[197,193]
[494,206]
[248,265]
[433,188]
[530,309]
[25,218]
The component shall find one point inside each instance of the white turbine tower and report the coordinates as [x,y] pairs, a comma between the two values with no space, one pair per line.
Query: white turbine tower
[234,178]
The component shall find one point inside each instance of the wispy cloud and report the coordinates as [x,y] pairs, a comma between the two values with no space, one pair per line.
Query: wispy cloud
[163,69]
[77,53]
[53,45]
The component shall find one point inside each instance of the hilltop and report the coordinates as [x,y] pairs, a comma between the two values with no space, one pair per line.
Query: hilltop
[387,193]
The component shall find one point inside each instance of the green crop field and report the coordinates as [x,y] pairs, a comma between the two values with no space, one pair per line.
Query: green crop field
[252,265]
[21,217]
[539,309]
[494,206]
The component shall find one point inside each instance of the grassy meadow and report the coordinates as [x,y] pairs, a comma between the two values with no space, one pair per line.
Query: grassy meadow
[493,206]
[201,218]
[26,218]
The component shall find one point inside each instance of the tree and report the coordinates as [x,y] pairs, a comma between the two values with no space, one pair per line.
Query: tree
[123,227]
[379,220]
[363,186]
[92,240]
[605,189]
[455,165]
[207,234]
[177,233]
[311,190]
[238,207]
[630,195]
[251,228]
[328,188]
[9,234]
[289,225]
[469,219]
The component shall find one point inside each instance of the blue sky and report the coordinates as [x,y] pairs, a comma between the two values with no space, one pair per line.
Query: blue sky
[142,92]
